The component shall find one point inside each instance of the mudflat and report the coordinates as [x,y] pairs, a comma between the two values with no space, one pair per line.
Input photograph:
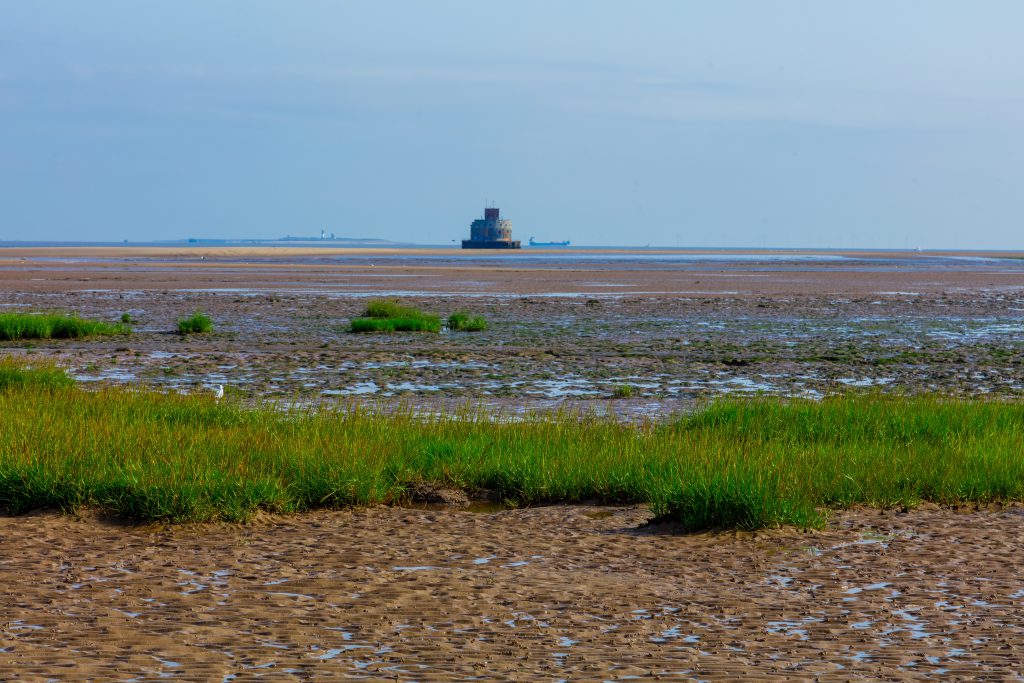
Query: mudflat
[575,593]
[566,329]
[581,592]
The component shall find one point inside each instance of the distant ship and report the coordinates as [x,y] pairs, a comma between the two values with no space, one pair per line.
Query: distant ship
[535,243]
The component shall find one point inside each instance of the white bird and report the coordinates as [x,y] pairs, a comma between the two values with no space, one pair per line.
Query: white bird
[218,391]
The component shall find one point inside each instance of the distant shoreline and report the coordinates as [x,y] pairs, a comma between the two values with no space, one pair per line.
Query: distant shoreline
[196,250]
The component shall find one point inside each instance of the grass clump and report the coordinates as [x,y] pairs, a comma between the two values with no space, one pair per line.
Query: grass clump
[389,315]
[623,391]
[463,322]
[16,326]
[14,375]
[390,308]
[419,324]
[197,323]
[737,464]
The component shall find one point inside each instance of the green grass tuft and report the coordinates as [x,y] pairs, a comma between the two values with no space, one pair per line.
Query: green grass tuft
[623,391]
[389,308]
[418,324]
[16,326]
[197,323]
[391,316]
[464,322]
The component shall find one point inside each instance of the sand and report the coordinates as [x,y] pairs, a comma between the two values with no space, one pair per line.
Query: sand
[532,272]
[576,593]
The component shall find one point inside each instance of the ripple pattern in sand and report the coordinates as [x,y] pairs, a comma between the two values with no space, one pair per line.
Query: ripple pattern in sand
[556,592]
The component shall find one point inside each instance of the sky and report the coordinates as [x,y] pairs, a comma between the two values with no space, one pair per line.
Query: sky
[869,124]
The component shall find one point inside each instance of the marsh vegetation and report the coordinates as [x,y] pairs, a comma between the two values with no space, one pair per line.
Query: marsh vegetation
[745,464]
[18,326]
[392,316]
[197,323]
[464,322]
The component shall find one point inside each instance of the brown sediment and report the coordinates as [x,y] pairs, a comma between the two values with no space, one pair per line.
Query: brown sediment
[552,592]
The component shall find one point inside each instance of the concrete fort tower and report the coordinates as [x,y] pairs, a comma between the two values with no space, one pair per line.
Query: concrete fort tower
[490,232]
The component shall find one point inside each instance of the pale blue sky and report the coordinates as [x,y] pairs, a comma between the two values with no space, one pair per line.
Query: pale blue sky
[818,124]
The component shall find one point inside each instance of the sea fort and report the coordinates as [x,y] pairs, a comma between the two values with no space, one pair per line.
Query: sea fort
[491,232]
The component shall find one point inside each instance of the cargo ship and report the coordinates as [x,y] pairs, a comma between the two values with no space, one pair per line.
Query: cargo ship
[535,243]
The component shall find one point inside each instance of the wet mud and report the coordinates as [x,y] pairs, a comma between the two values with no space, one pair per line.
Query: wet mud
[636,356]
[575,593]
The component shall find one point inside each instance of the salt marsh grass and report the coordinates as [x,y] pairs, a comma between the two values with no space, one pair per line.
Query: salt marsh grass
[417,324]
[14,375]
[17,326]
[391,316]
[738,464]
[390,308]
[197,323]
[464,322]
[623,391]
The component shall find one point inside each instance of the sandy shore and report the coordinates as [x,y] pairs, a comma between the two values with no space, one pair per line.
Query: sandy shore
[532,272]
[578,593]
